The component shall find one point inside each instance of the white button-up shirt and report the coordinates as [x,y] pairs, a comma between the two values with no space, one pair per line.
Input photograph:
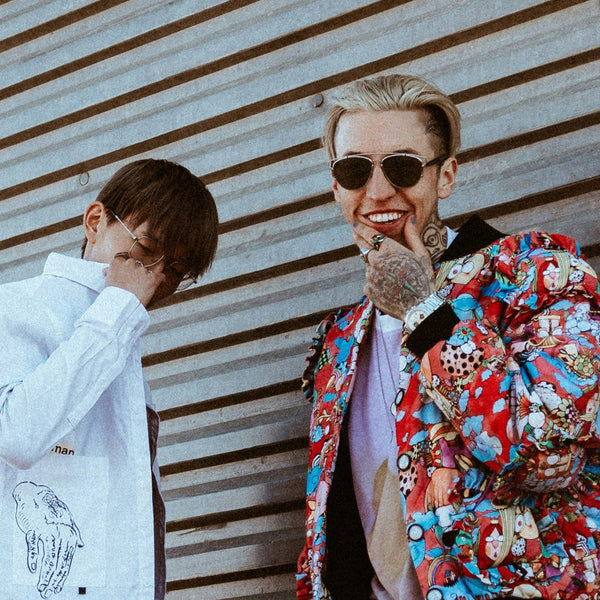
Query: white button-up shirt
[75,476]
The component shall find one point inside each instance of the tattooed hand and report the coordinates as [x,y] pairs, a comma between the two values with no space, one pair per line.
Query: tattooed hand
[398,277]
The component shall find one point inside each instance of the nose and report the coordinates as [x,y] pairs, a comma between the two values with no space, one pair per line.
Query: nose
[378,187]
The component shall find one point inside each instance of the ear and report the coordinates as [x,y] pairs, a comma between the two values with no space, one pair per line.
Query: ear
[92,219]
[335,186]
[447,177]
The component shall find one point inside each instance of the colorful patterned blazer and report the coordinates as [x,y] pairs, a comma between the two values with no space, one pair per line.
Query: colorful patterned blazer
[500,384]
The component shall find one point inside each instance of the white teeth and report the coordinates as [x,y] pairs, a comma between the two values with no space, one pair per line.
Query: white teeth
[384,217]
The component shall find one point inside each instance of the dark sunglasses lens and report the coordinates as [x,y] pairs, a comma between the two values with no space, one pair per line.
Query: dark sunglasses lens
[402,171]
[352,172]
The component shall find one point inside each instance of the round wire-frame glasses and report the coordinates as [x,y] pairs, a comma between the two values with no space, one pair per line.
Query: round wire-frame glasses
[147,258]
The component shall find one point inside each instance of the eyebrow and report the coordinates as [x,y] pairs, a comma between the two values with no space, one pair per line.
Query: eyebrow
[134,229]
[399,151]
[148,237]
[145,233]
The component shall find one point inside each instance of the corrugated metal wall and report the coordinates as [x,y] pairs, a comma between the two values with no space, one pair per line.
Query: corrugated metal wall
[236,90]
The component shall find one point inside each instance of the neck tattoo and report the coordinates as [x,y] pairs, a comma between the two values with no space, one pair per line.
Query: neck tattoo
[435,239]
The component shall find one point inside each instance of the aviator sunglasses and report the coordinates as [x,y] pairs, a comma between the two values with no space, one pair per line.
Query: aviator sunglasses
[402,170]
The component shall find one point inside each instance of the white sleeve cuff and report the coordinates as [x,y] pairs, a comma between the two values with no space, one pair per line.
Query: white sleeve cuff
[119,310]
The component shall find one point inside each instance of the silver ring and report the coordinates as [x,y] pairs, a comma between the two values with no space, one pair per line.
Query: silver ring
[139,262]
[149,270]
[363,254]
[377,240]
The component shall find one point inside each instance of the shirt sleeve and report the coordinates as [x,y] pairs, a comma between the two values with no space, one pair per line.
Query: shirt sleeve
[518,376]
[47,385]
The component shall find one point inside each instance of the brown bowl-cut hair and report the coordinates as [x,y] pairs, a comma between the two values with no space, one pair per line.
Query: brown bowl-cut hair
[179,209]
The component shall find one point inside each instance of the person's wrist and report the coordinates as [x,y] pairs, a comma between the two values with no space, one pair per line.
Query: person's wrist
[417,314]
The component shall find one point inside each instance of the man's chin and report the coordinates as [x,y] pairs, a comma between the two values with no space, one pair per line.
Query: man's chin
[397,237]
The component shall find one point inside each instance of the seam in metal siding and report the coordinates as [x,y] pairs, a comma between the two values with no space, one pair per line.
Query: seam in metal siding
[237,90]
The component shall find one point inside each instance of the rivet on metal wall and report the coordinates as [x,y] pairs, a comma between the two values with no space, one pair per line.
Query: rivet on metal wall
[84,178]
[318,100]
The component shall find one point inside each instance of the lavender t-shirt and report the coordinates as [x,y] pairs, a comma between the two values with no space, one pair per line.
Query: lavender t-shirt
[373,455]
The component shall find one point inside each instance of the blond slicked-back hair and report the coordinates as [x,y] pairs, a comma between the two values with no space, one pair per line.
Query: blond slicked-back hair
[397,92]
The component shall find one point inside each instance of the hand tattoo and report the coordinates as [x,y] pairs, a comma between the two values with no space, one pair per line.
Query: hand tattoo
[399,282]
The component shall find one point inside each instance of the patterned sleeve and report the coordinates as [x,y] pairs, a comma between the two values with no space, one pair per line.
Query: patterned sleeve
[518,377]
[303,582]
[315,349]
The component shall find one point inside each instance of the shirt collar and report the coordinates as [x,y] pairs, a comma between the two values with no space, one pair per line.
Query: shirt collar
[473,236]
[451,236]
[85,272]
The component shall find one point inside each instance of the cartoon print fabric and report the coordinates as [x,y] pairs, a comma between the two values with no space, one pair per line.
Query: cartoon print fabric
[505,410]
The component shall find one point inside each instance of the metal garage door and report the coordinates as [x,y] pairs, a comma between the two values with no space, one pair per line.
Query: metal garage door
[236,91]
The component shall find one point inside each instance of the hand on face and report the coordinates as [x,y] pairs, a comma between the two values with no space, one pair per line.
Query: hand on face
[398,277]
[126,273]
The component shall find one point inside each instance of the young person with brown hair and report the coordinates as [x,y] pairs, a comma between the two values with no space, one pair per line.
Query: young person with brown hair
[81,512]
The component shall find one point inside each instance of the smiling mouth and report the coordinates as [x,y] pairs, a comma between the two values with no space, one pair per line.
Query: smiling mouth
[388,217]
